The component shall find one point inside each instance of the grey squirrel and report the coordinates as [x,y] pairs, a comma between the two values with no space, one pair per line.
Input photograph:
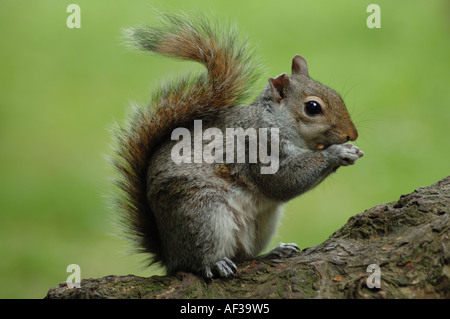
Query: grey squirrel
[206,217]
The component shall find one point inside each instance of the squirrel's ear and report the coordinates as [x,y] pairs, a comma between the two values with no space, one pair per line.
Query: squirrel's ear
[299,66]
[278,86]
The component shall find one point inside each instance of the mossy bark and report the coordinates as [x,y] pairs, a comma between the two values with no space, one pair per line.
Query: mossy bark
[409,240]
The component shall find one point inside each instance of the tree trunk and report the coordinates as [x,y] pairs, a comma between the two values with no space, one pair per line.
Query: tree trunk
[407,244]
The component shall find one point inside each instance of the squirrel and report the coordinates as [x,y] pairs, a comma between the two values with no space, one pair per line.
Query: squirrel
[206,217]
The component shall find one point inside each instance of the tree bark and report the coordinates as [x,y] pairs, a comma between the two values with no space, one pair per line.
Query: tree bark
[409,240]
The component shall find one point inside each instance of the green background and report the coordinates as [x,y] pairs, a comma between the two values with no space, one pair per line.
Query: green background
[62,89]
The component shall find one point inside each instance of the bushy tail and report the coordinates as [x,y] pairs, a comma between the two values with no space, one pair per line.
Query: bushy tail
[229,77]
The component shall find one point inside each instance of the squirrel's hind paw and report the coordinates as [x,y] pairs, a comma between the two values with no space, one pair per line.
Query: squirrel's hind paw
[282,250]
[222,268]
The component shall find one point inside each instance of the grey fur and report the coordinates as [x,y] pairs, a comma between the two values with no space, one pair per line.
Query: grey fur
[206,218]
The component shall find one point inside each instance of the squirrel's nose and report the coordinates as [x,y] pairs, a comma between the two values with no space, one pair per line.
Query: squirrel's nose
[352,135]
[349,133]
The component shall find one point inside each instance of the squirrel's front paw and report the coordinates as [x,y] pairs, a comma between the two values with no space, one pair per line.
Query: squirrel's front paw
[346,153]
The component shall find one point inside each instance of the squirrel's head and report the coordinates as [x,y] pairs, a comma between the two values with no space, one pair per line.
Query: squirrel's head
[319,112]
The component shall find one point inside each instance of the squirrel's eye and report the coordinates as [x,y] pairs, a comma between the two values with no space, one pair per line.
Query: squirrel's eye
[313,108]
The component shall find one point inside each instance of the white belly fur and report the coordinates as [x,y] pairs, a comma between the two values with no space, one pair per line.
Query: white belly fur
[256,222]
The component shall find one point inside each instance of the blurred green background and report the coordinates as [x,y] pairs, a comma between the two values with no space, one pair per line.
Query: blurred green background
[62,89]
